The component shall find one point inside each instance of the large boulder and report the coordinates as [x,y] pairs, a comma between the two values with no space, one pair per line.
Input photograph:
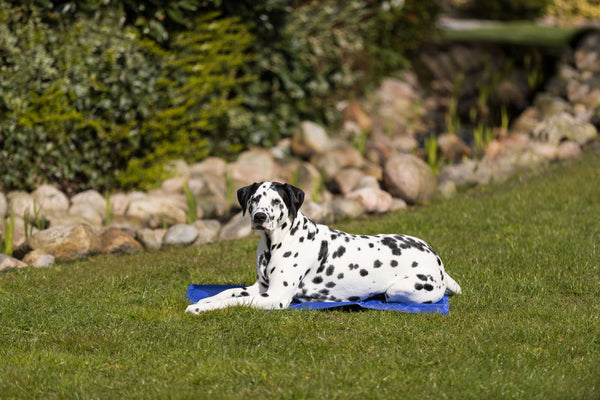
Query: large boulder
[156,211]
[409,178]
[66,242]
[50,198]
[309,139]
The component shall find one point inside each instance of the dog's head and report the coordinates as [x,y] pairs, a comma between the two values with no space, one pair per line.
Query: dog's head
[270,203]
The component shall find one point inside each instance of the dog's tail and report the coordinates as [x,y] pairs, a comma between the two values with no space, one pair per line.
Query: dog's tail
[452,287]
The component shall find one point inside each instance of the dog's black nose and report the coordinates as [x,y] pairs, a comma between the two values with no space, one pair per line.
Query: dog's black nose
[260,217]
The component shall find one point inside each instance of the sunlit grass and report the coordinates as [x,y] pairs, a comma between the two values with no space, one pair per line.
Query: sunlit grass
[526,325]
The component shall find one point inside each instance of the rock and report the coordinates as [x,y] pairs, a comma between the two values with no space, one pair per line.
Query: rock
[337,158]
[368,181]
[66,242]
[115,240]
[86,211]
[21,203]
[372,200]
[568,150]
[345,181]
[238,227]
[92,199]
[447,189]
[251,166]
[526,121]
[546,150]
[208,230]
[308,178]
[310,139]
[378,148]
[452,147]
[180,235]
[355,113]
[405,144]
[346,209]
[57,218]
[549,105]
[398,204]
[397,112]
[409,178]
[50,199]
[587,54]
[119,203]
[563,126]
[38,258]
[318,212]
[211,165]
[147,237]
[174,185]
[8,262]
[3,205]
[463,174]
[127,223]
[157,211]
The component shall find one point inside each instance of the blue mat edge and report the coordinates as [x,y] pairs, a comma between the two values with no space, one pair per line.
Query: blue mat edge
[197,292]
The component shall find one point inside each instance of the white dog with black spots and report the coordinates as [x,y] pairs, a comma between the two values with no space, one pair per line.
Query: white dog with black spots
[298,259]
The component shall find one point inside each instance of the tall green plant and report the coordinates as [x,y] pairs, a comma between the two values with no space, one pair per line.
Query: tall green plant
[200,71]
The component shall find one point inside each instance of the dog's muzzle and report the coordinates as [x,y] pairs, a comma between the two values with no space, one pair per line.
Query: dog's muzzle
[259,221]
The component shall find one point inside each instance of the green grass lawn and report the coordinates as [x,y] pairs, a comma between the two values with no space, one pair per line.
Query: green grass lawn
[527,325]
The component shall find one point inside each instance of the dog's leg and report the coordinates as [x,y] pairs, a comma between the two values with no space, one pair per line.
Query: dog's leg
[411,290]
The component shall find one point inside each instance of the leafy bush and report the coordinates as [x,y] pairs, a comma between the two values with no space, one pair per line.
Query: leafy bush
[506,9]
[81,102]
[198,75]
[326,52]
[575,8]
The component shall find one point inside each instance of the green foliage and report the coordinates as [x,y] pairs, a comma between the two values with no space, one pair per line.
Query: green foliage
[6,246]
[192,205]
[506,9]
[83,104]
[70,99]
[328,51]
[88,101]
[199,73]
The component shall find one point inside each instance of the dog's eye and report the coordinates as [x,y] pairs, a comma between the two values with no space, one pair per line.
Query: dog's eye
[275,202]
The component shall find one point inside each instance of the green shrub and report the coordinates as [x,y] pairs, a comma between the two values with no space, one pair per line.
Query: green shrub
[326,52]
[506,9]
[85,103]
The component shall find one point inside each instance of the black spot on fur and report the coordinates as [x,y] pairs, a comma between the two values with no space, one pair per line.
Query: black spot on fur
[422,277]
[428,287]
[418,286]
[285,283]
[244,294]
[339,252]
[364,272]
[330,284]
[415,264]
[340,276]
[324,291]
[317,279]
[353,266]
[330,270]
[377,264]
[353,298]
[394,263]
[265,295]
[287,254]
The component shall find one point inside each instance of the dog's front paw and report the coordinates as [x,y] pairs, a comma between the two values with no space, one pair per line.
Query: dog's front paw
[194,309]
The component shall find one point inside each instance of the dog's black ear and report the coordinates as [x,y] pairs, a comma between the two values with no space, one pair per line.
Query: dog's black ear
[244,195]
[296,198]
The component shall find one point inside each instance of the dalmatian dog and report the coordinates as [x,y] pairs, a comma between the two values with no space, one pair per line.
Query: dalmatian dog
[298,259]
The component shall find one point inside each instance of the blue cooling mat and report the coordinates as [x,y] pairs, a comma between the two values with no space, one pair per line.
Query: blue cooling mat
[198,292]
